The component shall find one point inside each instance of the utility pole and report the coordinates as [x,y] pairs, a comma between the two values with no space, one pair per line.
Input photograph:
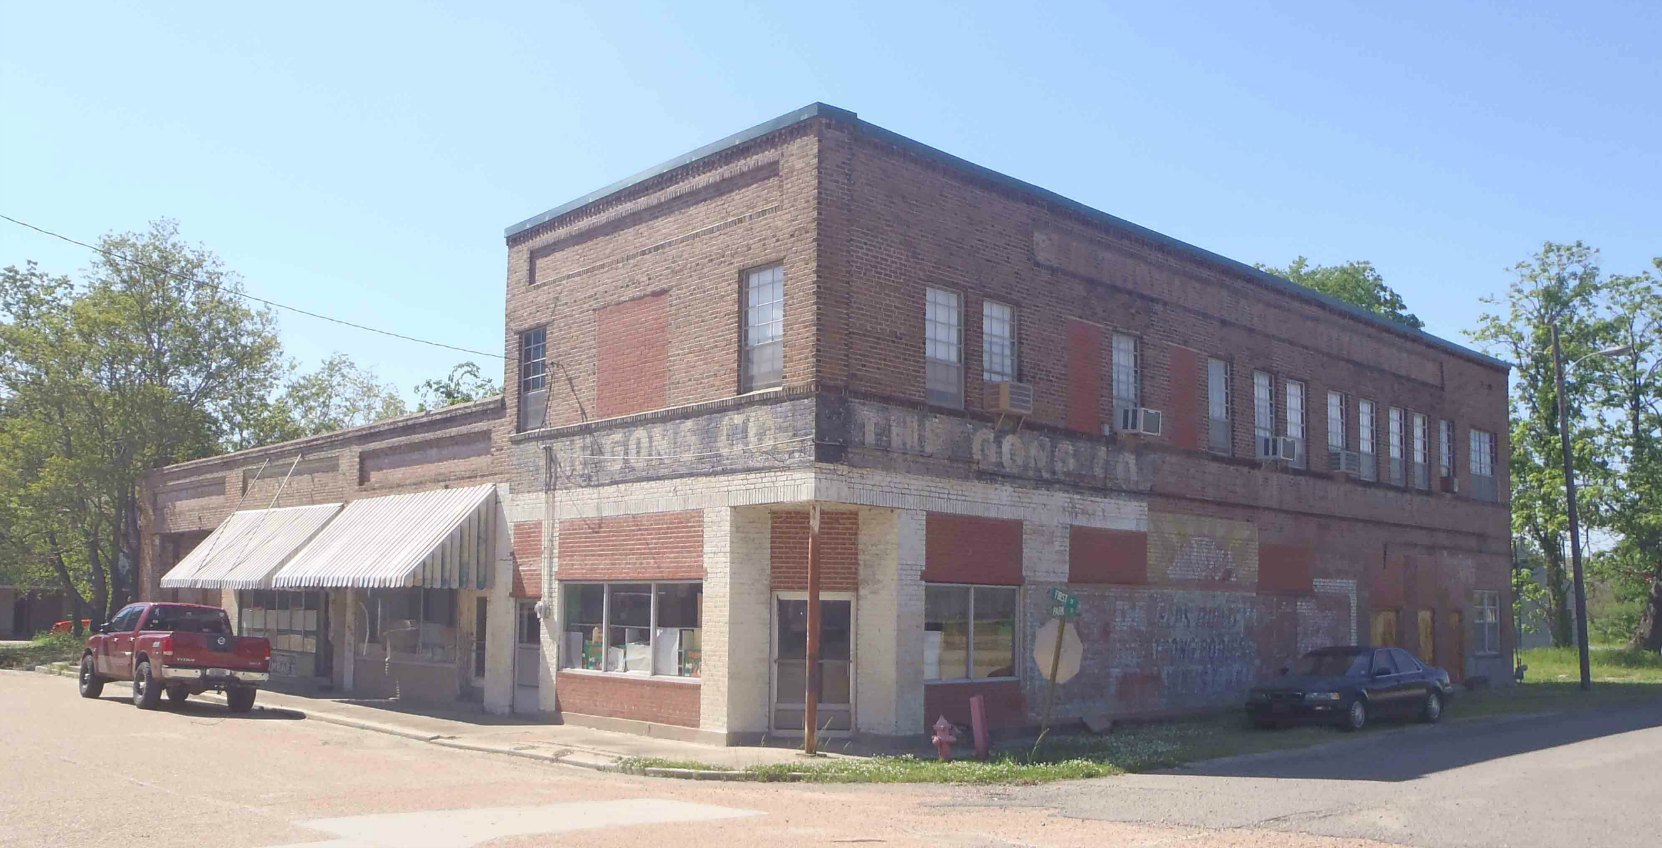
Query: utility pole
[1575,523]
[810,703]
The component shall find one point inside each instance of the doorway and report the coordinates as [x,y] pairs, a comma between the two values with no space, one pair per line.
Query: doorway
[1455,662]
[1428,636]
[527,659]
[790,667]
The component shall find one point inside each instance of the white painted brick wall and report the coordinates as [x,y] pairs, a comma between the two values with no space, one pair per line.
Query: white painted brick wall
[876,651]
[717,615]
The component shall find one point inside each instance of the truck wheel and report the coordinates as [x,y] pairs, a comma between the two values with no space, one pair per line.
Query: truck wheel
[146,693]
[91,685]
[177,693]
[1356,716]
[240,700]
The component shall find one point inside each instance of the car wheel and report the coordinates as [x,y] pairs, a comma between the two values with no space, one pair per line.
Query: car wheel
[91,685]
[239,700]
[1356,716]
[177,693]
[1432,712]
[146,694]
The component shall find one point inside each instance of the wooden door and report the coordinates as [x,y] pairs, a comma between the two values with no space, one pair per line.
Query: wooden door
[1428,636]
[1384,630]
[1455,661]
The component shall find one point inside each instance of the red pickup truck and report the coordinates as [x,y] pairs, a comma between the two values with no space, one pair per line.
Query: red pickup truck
[182,649]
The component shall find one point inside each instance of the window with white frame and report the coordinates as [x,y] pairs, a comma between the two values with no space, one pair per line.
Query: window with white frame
[1445,448]
[1394,441]
[533,378]
[1263,407]
[639,628]
[1127,374]
[1366,421]
[1483,465]
[1335,421]
[1486,622]
[1296,420]
[1219,437]
[1422,474]
[763,366]
[943,325]
[998,342]
[969,632]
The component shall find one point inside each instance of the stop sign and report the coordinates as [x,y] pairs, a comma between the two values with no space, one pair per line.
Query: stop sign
[1044,651]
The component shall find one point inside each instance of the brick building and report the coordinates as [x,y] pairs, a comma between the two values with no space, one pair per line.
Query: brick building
[989,391]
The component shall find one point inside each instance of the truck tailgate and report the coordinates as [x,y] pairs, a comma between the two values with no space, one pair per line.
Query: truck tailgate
[214,650]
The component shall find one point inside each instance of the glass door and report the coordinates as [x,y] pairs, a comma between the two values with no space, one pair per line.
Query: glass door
[790,667]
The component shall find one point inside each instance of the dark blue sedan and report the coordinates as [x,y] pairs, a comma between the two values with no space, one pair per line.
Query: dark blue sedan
[1351,686]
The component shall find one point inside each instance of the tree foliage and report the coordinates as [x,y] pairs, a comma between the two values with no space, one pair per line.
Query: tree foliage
[465,384]
[338,395]
[1357,283]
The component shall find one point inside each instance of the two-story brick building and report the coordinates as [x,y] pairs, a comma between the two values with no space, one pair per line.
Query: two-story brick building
[990,391]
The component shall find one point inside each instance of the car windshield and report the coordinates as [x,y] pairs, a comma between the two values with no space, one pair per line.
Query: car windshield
[189,620]
[1332,665]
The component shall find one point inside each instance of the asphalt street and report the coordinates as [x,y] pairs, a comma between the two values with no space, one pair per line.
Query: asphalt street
[80,772]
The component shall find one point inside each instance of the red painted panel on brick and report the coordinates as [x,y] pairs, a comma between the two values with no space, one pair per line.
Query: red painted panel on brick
[1084,358]
[632,356]
[1184,421]
[839,537]
[965,549]
[527,559]
[1096,555]
[1006,706]
[635,698]
[655,546]
[1286,568]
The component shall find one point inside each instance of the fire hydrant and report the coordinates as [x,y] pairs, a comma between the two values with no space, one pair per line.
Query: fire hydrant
[944,737]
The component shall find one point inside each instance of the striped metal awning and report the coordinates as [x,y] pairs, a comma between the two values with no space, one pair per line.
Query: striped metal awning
[441,539]
[246,549]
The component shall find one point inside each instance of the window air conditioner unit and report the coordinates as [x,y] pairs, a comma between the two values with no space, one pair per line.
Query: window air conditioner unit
[1148,422]
[1007,398]
[1289,449]
[1344,462]
[1269,447]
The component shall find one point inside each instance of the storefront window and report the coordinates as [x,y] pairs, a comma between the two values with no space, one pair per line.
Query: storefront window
[969,632]
[642,628]
[414,623]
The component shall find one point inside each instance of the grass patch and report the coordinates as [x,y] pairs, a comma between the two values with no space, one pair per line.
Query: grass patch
[1610,664]
[46,648]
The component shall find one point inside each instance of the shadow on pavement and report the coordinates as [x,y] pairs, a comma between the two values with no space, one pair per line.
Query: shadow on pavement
[1396,754]
[207,709]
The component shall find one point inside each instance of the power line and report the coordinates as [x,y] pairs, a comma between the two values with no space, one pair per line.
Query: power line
[242,294]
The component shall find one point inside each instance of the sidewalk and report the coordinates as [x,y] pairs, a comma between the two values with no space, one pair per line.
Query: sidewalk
[478,731]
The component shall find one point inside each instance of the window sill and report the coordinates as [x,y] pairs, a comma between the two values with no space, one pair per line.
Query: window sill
[959,681]
[633,675]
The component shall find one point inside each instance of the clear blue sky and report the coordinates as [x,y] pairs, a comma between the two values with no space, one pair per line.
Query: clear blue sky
[364,159]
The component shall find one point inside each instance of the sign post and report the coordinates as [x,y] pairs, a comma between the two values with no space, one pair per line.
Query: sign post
[1064,606]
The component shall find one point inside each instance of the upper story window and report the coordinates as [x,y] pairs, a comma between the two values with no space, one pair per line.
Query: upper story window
[1483,466]
[1295,421]
[764,329]
[533,378]
[1219,438]
[1394,442]
[1445,445]
[943,324]
[1366,422]
[1336,421]
[1127,375]
[998,342]
[1263,408]
[1422,469]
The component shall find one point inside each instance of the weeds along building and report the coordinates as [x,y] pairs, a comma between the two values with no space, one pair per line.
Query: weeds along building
[989,391]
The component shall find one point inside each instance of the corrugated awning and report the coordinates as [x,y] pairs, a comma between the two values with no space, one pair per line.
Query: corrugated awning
[246,549]
[439,539]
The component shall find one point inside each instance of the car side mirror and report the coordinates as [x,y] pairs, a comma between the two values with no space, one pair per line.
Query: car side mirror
[101,628]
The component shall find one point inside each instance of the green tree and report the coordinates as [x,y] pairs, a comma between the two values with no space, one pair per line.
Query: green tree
[1560,285]
[1357,283]
[144,363]
[465,384]
[338,395]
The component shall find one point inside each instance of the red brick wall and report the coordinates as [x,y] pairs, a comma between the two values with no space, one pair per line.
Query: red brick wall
[839,537]
[632,356]
[965,549]
[1286,568]
[1096,555]
[1188,400]
[623,696]
[527,559]
[656,546]
[1085,365]
[1006,706]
